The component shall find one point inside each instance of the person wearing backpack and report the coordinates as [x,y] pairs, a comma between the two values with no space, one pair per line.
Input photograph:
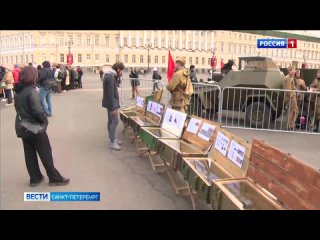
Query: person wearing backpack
[58,76]
[180,87]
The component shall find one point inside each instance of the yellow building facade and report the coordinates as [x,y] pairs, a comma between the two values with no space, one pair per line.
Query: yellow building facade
[92,49]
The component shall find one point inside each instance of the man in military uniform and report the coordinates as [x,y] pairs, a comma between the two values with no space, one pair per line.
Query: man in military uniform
[290,99]
[180,87]
[315,101]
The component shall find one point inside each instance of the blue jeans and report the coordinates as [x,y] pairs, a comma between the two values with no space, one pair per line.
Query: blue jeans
[112,125]
[45,97]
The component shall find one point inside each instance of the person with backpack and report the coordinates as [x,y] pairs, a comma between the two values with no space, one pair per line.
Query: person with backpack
[180,87]
[58,76]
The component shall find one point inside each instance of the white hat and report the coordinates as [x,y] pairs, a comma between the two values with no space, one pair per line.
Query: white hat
[155,69]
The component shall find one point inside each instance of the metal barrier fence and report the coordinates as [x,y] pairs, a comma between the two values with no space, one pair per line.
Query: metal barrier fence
[269,109]
[239,107]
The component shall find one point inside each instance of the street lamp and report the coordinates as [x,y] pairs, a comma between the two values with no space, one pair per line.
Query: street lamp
[148,46]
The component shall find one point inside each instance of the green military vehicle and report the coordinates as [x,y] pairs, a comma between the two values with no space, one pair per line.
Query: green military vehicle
[260,106]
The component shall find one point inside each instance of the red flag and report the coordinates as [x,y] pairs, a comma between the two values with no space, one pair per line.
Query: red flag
[214,62]
[170,67]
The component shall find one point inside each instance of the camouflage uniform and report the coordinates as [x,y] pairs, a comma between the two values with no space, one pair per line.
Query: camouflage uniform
[177,85]
[290,101]
[315,99]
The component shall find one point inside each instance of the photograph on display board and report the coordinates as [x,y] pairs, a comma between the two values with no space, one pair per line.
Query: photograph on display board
[140,101]
[222,143]
[194,125]
[236,153]
[159,110]
[206,131]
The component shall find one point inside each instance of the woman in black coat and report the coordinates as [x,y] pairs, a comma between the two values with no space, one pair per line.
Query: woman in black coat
[31,118]
[134,82]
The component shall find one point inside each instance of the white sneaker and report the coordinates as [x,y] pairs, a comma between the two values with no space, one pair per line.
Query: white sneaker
[117,141]
[114,146]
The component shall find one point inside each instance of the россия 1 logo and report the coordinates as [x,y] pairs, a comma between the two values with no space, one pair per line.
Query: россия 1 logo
[277,43]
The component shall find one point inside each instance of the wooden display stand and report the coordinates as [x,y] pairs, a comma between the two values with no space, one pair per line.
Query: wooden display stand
[154,113]
[192,144]
[274,180]
[228,159]
[171,128]
[137,110]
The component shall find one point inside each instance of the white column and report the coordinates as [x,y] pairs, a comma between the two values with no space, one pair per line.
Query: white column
[212,40]
[180,39]
[193,39]
[206,43]
[199,45]
[159,39]
[137,39]
[173,39]
[152,39]
[166,39]
[187,39]
[121,38]
[129,39]
[144,38]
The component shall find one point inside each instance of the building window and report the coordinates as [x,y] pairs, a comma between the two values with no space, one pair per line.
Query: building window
[107,58]
[170,44]
[61,40]
[20,41]
[240,49]
[176,44]
[31,40]
[229,45]
[96,57]
[79,40]
[163,59]
[8,59]
[25,40]
[125,41]
[190,60]
[88,40]
[196,45]
[117,57]
[133,41]
[133,58]
[32,60]
[163,43]
[126,57]
[15,42]
[70,38]
[62,57]
[156,59]
[240,36]
[141,58]
[249,37]
[42,38]
[197,60]
[221,47]
[79,58]
[117,40]
[107,38]
[11,59]
[88,57]
[27,59]
[96,40]
[245,49]
[11,43]
[234,35]
[245,37]
[203,60]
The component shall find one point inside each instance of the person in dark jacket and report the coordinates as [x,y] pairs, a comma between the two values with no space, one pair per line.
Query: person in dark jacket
[45,95]
[155,78]
[111,101]
[193,75]
[28,107]
[80,73]
[134,82]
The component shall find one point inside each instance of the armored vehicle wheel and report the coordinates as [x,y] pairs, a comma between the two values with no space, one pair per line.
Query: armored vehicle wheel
[258,115]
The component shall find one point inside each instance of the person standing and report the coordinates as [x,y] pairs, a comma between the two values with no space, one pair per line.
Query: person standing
[8,79]
[58,76]
[28,107]
[180,87]
[80,73]
[15,73]
[67,81]
[111,101]
[155,77]
[193,75]
[134,78]
[45,94]
[315,100]
[290,99]
[301,86]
